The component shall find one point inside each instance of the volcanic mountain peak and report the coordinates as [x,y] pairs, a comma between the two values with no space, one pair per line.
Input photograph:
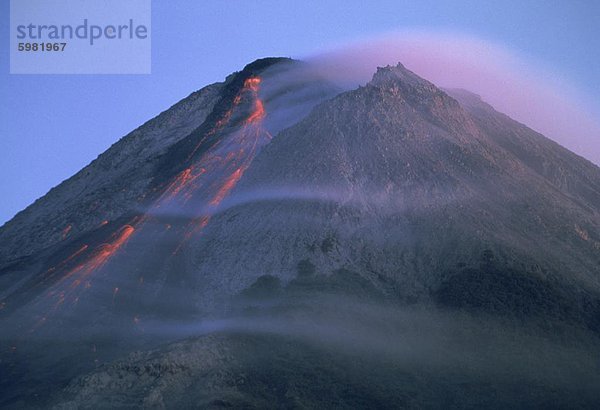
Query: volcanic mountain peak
[271,194]
[392,74]
[405,141]
[400,85]
[400,80]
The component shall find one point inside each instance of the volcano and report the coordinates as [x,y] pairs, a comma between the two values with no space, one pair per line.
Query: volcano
[274,241]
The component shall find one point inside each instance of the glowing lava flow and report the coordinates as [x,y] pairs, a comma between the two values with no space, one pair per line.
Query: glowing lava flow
[98,256]
[95,258]
[106,250]
[231,160]
[220,124]
[186,179]
[181,181]
[227,186]
[225,162]
[258,113]
[200,189]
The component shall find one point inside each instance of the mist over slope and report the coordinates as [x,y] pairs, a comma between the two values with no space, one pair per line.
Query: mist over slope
[395,244]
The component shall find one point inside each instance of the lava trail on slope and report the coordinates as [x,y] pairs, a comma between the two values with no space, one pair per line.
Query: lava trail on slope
[213,166]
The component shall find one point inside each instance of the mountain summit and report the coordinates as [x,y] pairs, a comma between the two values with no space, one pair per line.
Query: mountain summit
[275,241]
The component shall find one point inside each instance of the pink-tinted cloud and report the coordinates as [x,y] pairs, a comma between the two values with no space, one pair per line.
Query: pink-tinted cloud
[520,89]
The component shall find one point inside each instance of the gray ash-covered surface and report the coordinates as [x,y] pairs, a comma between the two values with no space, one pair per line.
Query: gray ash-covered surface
[392,246]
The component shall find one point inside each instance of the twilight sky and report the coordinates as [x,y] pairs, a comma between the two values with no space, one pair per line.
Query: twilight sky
[53,125]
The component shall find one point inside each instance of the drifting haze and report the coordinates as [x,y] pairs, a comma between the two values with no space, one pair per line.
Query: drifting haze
[525,92]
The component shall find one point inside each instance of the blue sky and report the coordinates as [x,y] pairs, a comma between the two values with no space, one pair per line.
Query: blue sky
[53,125]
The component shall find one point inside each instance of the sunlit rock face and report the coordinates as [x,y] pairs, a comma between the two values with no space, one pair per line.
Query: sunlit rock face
[274,241]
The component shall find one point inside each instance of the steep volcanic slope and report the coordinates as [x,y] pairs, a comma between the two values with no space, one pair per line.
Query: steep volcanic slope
[99,277]
[157,178]
[397,182]
[570,173]
[396,248]
[438,241]
[111,185]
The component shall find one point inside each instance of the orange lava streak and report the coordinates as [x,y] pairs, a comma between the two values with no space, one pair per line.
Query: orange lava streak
[99,256]
[227,186]
[62,264]
[74,255]
[182,184]
[252,83]
[180,181]
[103,252]
[120,237]
[258,113]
